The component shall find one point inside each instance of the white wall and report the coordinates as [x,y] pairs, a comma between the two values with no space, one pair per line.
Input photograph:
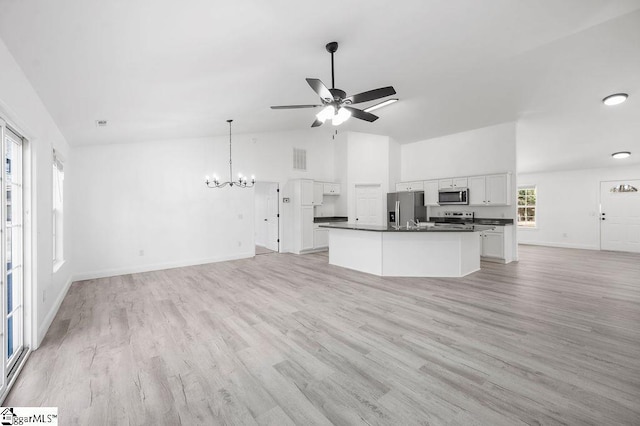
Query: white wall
[568,202]
[151,196]
[475,152]
[367,163]
[21,107]
[341,162]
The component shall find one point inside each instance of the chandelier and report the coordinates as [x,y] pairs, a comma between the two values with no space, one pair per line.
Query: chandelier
[242,180]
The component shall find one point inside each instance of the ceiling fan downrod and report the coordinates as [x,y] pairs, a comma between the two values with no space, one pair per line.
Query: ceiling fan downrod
[332,48]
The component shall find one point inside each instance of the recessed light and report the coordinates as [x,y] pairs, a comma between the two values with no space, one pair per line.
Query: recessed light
[101,123]
[615,99]
[621,154]
[380,105]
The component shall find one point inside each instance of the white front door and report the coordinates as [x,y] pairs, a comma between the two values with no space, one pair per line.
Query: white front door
[369,205]
[620,216]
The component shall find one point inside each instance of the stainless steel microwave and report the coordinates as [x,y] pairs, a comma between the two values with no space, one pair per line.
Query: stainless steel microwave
[453,196]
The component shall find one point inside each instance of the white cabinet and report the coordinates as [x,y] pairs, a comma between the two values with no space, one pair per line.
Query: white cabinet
[306,216]
[302,202]
[331,188]
[409,186]
[477,191]
[452,183]
[497,190]
[491,190]
[493,244]
[306,192]
[318,191]
[430,192]
[320,237]
[496,245]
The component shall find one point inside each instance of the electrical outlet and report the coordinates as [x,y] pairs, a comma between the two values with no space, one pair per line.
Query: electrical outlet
[141,253]
[240,216]
[565,235]
[239,243]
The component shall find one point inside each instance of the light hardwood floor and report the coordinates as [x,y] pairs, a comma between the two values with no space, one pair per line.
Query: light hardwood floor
[285,339]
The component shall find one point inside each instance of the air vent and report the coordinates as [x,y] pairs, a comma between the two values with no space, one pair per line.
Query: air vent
[101,123]
[299,159]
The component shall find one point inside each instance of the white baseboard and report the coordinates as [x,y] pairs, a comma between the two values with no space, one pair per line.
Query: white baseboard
[157,267]
[560,245]
[44,327]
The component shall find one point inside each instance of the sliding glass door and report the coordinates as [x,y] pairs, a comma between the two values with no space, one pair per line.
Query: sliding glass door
[12,231]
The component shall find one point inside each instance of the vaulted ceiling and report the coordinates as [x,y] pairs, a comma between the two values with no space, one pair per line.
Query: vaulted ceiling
[160,69]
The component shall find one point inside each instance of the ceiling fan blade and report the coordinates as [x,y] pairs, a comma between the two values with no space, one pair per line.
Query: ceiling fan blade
[317,123]
[319,87]
[294,106]
[371,95]
[362,115]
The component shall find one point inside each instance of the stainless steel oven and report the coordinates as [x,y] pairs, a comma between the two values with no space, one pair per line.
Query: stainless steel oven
[453,196]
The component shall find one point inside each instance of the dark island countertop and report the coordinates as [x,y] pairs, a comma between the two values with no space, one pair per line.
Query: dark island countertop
[429,228]
[330,219]
[478,221]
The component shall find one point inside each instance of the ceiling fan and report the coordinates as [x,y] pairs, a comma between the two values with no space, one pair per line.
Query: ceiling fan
[336,103]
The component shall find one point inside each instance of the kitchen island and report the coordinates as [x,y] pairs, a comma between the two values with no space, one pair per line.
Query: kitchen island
[429,251]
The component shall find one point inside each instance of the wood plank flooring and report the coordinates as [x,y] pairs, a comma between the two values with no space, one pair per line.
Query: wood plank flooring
[290,340]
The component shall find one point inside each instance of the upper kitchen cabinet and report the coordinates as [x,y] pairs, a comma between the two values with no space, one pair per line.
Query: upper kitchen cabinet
[498,190]
[452,183]
[331,188]
[491,190]
[306,192]
[477,191]
[409,186]
[318,190]
[430,192]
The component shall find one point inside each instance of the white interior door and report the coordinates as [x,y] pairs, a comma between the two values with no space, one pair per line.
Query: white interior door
[267,217]
[369,205]
[273,217]
[260,214]
[620,217]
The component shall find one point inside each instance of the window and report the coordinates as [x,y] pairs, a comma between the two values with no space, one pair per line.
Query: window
[527,206]
[58,191]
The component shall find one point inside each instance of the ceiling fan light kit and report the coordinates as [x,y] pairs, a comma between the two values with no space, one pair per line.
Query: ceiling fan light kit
[336,103]
[242,181]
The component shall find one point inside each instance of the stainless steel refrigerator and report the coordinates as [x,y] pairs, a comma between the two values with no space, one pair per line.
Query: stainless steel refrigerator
[405,206]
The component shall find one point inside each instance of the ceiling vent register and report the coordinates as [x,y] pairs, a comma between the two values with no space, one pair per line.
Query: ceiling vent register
[299,159]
